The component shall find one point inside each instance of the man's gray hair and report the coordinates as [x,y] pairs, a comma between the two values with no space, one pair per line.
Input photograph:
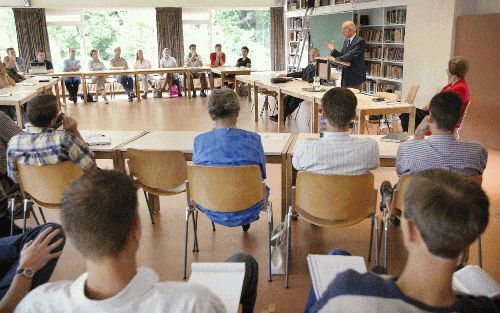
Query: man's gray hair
[223,103]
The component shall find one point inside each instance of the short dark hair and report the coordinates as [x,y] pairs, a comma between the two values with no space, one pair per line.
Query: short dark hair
[98,212]
[449,210]
[218,45]
[446,109]
[41,110]
[223,103]
[191,46]
[458,66]
[92,51]
[41,50]
[9,49]
[339,106]
[245,48]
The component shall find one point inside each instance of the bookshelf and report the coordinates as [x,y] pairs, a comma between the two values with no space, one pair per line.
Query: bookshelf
[297,29]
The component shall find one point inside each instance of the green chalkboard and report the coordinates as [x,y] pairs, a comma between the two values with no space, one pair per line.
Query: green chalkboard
[325,28]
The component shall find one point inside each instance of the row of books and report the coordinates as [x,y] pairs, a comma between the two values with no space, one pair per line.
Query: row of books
[371,35]
[394,35]
[374,69]
[372,87]
[386,87]
[396,17]
[394,54]
[373,53]
[296,23]
[392,71]
[295,36]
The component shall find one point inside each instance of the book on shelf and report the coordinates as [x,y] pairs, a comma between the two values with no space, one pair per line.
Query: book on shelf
[373,53]
[386,87]
[394,54]
[394,35]
[396,16]
[370,86]
[373,69]
[392,71]
[371,35]
[473,280]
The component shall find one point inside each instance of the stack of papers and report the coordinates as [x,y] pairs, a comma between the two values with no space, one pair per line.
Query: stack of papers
[97,140]
[395,137]
[473,280]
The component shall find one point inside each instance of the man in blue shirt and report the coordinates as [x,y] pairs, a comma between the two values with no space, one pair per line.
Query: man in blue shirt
[20,64]
[72,83]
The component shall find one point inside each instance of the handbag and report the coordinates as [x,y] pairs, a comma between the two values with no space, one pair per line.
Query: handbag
[277,248]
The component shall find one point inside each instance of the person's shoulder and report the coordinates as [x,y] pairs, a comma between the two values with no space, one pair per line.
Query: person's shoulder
[351,281]
[42,298]
[187,296]
[472,304]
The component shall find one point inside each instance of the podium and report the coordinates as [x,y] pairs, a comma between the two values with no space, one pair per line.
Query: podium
[324,65]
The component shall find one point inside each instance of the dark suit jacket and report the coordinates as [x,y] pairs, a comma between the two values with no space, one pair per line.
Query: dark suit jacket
[356,73]
[306,74]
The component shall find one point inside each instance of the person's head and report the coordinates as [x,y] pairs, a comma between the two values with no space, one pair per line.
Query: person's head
[72,53]
[223,104]
[445,111]
[339,107]
[9,62]
[443,213]
[314,53]
[42,111]
[166,52]
[192,47]
[457,66]
[244,51]
[94,54]
[11,52]
[218,47]
[99,214]
[139,55]
[118,51]
[348,29]
[40,56]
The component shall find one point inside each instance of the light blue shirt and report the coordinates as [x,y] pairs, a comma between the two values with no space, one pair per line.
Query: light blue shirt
[71,62]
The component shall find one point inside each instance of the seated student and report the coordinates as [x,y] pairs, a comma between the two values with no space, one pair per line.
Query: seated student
[5,79]
[337,153]
[42,144]
[292,103]
[457,69]
[72,83]
[27,261]
[217,58]
[444,214]
[10,68]
[244,61]
[97,65]
[40,60]
[168,61]
[127,82]
[108,242]
[142,63]
[20,64]
[227,145]
[193,59]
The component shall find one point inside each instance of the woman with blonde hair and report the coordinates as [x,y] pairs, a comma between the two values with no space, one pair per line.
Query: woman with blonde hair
[141,63]
[97,65]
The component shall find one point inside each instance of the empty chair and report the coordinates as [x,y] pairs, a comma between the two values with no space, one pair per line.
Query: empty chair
[225,189]
[158,173]
[333,201]
[412,94]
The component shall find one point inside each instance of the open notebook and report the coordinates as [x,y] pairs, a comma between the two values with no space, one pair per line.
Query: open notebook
[473,280]
[97,140]
[225,280]
[324,268]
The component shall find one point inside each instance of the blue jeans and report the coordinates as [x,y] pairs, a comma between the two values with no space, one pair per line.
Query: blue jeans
[10,251]
[311,300]
[72,84]
[127,82]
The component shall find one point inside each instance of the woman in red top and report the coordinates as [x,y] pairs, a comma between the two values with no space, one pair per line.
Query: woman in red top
[457,68]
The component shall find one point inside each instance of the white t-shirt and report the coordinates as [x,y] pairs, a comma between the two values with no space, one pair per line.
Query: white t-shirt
[140,65]
[143,294]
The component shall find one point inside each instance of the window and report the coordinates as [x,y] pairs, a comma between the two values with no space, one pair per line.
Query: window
[8,37]
[61,38]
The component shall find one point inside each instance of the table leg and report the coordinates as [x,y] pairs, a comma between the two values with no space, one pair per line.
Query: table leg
[221,79]
[119,161]
[281,111]
[137,87]
[411,123]
[361,122]
[185,86]
[190,87]
[63,90]
[250,92]
[211,77]
[19,115]
[314,117]
[84,89]
[256,103]
[58,95]
[286,184]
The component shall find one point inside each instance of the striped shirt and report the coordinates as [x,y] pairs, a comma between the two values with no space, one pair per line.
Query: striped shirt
[42,146]
[442,152]
[337,153]
[8,128]
[362,293]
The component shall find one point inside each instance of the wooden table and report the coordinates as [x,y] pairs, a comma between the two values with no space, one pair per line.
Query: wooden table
[250,81]
[387,151]
[275,149]
[227,70]
[25,91]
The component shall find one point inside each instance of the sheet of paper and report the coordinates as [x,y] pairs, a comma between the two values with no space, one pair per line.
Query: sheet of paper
[97,139]
[475,281]
[278,137]
[225,280]
[324,268]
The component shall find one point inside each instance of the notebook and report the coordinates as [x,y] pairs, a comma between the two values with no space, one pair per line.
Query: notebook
[225,280]
[395,137]
[97,140]
[324,268]
[473,280]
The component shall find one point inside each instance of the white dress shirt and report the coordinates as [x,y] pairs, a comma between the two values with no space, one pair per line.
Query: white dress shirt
[141,65]
[337,153]
[143,294]
[168,62]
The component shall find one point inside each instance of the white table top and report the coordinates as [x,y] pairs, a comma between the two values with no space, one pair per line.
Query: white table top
[118,137]
[22,92]
[230,69]
[387,150]
[273,143]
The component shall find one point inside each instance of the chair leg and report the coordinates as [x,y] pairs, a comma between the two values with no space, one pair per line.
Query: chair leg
[377,239]
[288,243]
[43,216]
[149,204]
[188,212]
[30,209]
[371,238]
[12,204]
[213,226]
[270,234]
[25,208]
[386,220]
[479,252]
[195,229]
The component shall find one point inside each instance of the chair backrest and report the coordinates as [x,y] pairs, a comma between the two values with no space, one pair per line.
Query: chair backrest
[412,94]
[387,95]
[46,184]
[333,199]
[463,117]
[158,169]
[225,188]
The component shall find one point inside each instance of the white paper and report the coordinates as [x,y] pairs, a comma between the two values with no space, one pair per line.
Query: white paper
[225,280]
[278,137]
[475,281]
[97,140]
[324,268]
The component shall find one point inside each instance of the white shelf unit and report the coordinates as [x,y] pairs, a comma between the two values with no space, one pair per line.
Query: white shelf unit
[297,28]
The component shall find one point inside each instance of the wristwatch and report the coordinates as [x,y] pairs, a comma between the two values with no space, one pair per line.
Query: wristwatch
[26,272]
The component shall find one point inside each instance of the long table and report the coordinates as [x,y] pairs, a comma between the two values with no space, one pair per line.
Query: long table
[227,70]
[26,90]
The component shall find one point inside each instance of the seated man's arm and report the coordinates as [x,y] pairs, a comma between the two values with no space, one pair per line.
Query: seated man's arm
[78,151]
[298,157]
[401,161]
[295,74]
[374,161]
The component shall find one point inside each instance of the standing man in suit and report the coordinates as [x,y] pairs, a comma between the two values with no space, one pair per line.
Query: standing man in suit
[353,52]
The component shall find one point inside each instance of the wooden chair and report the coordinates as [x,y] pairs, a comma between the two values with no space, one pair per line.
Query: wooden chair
[158,173]
[334,201]
[462,121]
[412,94]
[225,189]
[45,185]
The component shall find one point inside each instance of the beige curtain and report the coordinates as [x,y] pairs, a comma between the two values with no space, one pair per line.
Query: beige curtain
[277,39]
[169,32]
[31,28]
